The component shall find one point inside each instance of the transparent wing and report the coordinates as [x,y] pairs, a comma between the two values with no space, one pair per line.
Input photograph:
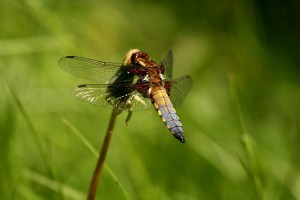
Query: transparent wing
[179,89]
[167,63]
[90,69]
[98,94]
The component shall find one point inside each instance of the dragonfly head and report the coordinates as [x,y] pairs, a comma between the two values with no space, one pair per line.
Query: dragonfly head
[142,59]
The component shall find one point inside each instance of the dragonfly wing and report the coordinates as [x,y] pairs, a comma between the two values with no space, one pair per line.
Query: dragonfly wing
[179,89]
[99,94]
[167,64]
[90,69]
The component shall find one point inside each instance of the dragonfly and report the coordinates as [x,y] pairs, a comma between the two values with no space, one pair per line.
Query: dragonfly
[132,85]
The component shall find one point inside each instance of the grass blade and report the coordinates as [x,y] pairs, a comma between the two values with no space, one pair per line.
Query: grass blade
[247,143]
[88,145]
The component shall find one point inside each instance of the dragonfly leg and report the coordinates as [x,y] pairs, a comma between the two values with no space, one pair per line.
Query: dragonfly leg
[128,117]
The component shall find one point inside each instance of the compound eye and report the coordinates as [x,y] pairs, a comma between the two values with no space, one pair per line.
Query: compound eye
[139,57]
[135,58]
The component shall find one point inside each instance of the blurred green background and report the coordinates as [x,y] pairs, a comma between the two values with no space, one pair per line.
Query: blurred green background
[241,118]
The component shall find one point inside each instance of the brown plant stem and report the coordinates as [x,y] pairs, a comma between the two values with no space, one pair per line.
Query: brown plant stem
[101,159]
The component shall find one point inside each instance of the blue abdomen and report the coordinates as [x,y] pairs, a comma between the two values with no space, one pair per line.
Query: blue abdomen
[166,111]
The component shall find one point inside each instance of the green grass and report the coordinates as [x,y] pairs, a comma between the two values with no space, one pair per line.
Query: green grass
[241,118]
